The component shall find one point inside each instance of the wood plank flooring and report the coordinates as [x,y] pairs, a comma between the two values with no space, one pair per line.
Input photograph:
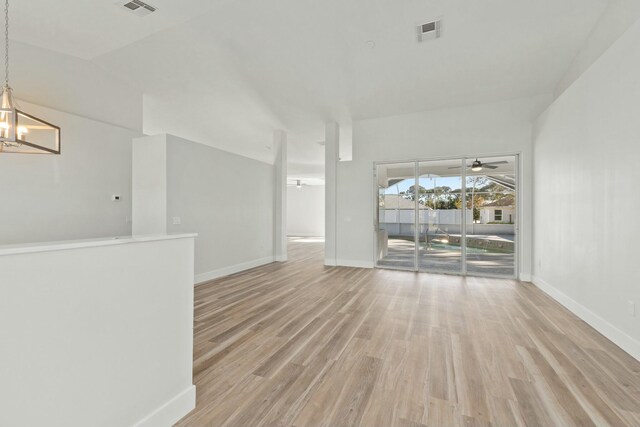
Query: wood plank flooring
[301,344]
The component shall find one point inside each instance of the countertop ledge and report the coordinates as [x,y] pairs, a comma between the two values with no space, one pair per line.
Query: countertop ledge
[88,243]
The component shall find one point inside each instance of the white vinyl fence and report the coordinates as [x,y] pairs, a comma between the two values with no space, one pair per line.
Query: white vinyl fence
[400,222]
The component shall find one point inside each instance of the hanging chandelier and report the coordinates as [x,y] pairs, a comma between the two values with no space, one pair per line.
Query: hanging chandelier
[21,132]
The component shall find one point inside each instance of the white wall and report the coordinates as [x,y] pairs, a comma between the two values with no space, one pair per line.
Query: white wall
[68,196]
[305,210]
[47,197]
[70,84]
[587,151]
[97,335]
[226,198]
[482,130]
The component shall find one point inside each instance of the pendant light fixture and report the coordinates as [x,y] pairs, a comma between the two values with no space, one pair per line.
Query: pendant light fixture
[21,132]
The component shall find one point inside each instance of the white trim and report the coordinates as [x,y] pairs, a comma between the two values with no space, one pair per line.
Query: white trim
[225,271]
[354,263]
[172,411]
[617,336]
[331,161]
[280,200]
[27,248]
[525,277]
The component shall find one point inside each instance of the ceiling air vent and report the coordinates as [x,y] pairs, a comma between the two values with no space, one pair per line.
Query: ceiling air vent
[137,7]
[430,30]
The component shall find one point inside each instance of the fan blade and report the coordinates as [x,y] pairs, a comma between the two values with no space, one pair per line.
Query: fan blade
[488,166]
[457,167]
[502,162]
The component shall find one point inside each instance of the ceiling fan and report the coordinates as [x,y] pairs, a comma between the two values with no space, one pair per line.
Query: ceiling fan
[477,165]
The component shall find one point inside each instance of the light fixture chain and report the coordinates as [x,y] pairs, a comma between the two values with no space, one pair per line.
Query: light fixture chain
[6,42]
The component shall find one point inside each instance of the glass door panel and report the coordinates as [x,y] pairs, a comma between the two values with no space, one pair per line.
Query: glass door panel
[440,200]
[491,230]
[395,230]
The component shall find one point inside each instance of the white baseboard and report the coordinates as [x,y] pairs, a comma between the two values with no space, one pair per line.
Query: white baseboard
[354,263]
[172,411]
[525,277]
[225,271]
[619,337]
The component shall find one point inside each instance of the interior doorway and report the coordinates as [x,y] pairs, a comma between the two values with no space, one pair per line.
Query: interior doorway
[453,216]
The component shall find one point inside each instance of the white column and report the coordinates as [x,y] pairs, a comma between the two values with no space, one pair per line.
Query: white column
[280,189]
[149,185]
[331,158]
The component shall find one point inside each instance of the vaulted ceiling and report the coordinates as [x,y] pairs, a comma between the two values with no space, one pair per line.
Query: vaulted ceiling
[228,73]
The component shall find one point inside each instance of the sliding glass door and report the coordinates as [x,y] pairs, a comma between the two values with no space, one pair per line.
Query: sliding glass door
[440,202]
[491,230]
[454,216]
[395,231]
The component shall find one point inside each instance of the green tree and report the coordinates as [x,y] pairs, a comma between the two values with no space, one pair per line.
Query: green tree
[411,192]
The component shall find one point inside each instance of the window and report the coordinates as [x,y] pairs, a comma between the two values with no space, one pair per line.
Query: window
[497,215]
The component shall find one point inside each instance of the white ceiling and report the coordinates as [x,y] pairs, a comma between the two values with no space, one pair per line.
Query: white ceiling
[89,28]
[228,73]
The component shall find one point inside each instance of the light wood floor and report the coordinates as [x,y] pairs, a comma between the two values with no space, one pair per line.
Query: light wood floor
[300,344]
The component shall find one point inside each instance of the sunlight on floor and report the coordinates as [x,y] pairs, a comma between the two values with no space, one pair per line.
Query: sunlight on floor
[307,239]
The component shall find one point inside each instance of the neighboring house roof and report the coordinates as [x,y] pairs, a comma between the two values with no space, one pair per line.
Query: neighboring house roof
[499,204]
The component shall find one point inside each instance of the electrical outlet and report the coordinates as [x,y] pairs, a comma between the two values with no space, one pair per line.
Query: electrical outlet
[116,198]
[177,220]
[631,308]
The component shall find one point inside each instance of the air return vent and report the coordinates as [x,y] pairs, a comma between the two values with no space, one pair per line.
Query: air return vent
[137,7]
[430,30]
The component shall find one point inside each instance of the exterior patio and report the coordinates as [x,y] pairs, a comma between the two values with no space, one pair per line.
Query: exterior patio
[440,257]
